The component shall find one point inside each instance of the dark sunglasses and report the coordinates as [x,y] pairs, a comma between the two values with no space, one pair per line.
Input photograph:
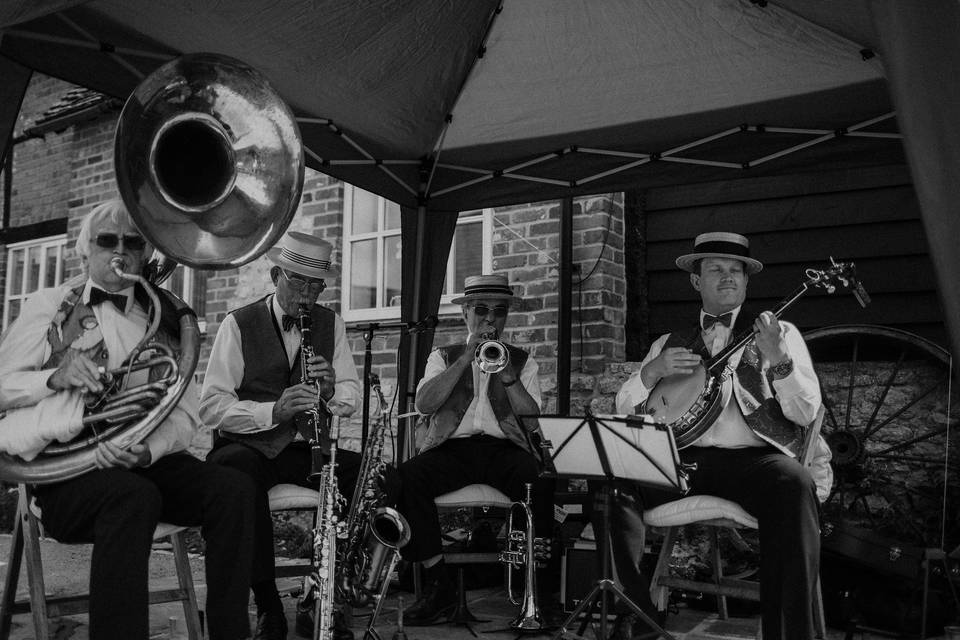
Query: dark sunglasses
[482,310]
[301,284]
[112,240]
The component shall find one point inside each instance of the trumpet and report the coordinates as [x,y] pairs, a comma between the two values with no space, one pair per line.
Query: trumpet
[524,552]
[491,354]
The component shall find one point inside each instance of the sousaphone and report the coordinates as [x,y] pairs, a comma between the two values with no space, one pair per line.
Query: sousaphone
[209,163]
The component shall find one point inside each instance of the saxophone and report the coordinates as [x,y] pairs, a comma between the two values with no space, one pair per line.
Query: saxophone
[375,532]
[324,586]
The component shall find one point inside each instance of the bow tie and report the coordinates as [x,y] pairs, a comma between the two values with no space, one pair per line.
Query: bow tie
[288,322]
[724,318]
[99,296]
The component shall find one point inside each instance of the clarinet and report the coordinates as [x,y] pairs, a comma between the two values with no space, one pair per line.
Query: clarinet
[328,525]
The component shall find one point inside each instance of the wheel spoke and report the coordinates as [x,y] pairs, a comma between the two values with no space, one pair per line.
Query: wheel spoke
[883,394]
[899,411]
[828,404]
[902,445]
[853,376]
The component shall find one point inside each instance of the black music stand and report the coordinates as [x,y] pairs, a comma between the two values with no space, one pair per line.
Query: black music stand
[610,448]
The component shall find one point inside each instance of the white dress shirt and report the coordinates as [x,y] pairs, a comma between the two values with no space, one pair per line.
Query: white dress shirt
[480,418]
[798,393]
[25,348]
[221,408]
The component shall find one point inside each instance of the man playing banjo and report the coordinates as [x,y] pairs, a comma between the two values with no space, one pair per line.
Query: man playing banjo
[748,455]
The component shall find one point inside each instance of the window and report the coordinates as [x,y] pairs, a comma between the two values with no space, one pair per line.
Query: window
[31,265]
[371,255]
[190,286]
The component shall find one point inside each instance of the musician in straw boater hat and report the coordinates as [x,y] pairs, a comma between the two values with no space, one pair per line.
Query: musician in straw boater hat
[254,397]
[473,436]
[49,362]
[749,453]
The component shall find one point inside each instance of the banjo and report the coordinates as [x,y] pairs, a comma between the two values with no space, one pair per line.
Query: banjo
[689,403]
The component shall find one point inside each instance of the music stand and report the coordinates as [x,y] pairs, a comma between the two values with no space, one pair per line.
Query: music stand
[607,448]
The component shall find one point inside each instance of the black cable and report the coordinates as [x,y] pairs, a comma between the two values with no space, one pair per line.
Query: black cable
[603,245]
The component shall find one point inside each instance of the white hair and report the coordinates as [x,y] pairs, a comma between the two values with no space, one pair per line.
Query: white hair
[113,211]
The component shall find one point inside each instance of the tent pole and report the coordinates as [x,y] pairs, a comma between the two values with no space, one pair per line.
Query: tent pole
[407,439]
[564,302]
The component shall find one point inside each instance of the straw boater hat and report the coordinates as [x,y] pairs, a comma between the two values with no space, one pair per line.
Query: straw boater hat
[719,244]
[303,254]
[488,287]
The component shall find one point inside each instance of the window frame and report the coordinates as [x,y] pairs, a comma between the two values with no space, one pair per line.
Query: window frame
[391,313]
[42,243]
[190,276]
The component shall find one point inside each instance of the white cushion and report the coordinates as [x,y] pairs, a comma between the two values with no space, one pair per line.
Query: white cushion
[698,509]
[474,495]
[292,496]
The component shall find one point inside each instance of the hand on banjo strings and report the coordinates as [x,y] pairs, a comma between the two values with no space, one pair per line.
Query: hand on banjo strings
[671,361]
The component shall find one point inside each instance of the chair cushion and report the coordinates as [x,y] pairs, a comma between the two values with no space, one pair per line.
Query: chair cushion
[292,496]
[474,495]
[698,509]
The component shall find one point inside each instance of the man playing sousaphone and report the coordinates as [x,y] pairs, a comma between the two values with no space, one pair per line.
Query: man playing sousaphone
[50,359]
[748,455]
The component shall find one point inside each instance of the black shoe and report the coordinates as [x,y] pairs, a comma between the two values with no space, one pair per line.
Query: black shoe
[271,625]
[438,600]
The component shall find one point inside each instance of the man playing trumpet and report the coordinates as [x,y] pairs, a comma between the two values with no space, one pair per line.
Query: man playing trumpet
[473,436]
[54,353]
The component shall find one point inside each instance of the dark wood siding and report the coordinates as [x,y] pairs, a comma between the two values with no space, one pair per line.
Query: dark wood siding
[870,216]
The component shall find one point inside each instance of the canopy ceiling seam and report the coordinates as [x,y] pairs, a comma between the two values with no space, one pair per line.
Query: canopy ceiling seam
[85,44]
[666,156]
[448,118]
[110,50]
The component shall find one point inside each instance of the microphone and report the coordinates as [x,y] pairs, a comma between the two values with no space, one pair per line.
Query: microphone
[419,326]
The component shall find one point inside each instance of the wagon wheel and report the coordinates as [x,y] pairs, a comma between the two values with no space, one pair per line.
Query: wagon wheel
[891,431]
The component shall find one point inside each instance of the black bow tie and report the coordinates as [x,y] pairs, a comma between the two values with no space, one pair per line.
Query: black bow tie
[288,322]
[724,318]
[99,296]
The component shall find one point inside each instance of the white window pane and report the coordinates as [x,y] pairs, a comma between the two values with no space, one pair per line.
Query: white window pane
[391,216]
[50,272]
[391,271]
[13,309]
[33,269]
[467,252]
[16,268]
[364,211]
[363,274]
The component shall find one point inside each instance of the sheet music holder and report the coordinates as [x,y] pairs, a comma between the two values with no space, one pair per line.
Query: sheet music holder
[607,447]
[632,448]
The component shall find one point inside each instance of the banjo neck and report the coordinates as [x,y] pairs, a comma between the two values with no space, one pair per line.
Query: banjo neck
[715,364]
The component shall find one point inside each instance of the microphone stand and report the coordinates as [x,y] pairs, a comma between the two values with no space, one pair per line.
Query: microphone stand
[368,331]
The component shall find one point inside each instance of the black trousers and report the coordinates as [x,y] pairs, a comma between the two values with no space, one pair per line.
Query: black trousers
[291,466]
[776,490]
[457,463]
[117,510]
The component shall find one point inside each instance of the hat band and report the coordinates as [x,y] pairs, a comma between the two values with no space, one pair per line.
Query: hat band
[306,261]
[722,247]
[491,290]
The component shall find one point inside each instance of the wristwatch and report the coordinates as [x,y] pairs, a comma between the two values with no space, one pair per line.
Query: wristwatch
[783,368]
